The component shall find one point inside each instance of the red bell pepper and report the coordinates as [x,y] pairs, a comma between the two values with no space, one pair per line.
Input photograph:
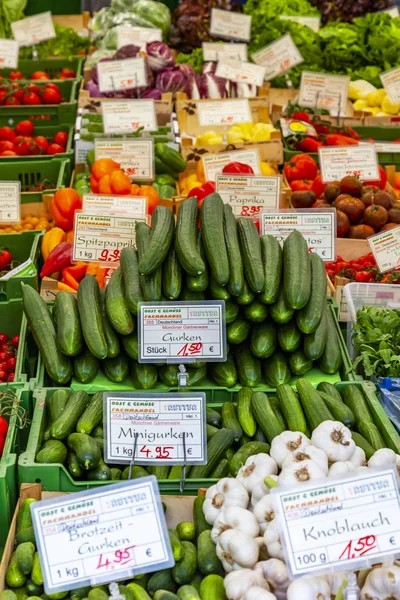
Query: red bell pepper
[309,144]
[58,259]
[238,168]
[201,191]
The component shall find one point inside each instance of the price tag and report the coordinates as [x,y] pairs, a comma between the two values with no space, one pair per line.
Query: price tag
[230,25]
[116,75]
[10,201]
[33,30]
[249,195]
[278,57]
[132,206]
[393,11]
[9,50]
[214,163]
[391,83]
[340,525]
[338,161]
[215,51]
[101,238]
[224,112]
[320,90]
[311,22]
[161,421]
[182,332]
[317,226]
[136,158]
[126,116]
[106,534]
[386,249]
[241,72]
[387,147]
[137,35]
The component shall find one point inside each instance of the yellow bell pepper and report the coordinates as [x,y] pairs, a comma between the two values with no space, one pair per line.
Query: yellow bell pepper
[262,132]
[266,169]
[235,137]
[388,107]
[376,98]
[51,239]
[208,138]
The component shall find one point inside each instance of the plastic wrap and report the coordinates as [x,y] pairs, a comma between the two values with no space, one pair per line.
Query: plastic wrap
[389,394]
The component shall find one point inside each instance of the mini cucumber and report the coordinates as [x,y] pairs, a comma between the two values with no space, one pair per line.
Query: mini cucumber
[362,443]
[371,433]
[213,417]
[249,449]
[279,415]
[354,399]
[230,421]
[338,408]
[280,312]
[172,275]
[291,408]
[199,520]
[244,413]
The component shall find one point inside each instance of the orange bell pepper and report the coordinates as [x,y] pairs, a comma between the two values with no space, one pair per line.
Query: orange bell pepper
[63,206]
[135,188]
[150,192]
[77,271]
[64,287]
[91,268]
[51,239]
[70,236]
[69,279]
[101,276]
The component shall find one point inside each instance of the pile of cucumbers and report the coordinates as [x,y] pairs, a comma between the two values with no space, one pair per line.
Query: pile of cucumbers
[277,320]
[196,575]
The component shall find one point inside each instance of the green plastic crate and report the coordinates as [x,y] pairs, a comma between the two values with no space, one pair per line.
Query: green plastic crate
[52,66]
[23,246]
[47,131]
[32,172]
[15,444]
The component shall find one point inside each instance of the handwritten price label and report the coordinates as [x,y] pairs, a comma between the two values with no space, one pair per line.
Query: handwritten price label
[135,157]
[248,196]
[10,200]
[241,72]
[224,112]
[125,525]
[110,255]
[33,30]
[250,211]
[179,430]
[338,161]
[349,523]
[386,249]
[278,57]
[9,50]
[124,74]
[182,332]
[126,116]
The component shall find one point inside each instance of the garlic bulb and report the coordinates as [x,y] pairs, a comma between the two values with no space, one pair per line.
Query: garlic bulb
[227,492]
[263,552]
[341,468]
[313,453]
[335,439]
[302,472]
[260,490]
[272,540]
[255,469]
[358,459]
[238,582]
[286,443]
[235,517]
[335,582]
[276,575]
[264,512]
[237,550]
[258,593]
[382,583]
[382,458]
[309,588]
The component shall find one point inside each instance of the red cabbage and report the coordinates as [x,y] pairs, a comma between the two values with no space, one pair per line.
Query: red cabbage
[159,56]
[212,86]
[209,67]
[171,79]
[152,94]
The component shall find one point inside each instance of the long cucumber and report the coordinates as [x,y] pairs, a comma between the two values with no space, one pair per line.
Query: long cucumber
[236,275]
[68,325]
[212,231]
[161,236]
[309,317]
[89,305]
[251,252]
[272,259]
[150,284]
[130,274]
[116,306]
[186,238]
[296,271]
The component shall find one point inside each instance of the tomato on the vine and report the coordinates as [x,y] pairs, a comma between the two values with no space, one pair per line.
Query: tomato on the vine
[15,341]
[11,364]
[10,377]
[3,426]
[3,375]
[3,338]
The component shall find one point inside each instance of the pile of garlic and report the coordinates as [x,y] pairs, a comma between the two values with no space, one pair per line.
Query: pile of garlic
[244,527]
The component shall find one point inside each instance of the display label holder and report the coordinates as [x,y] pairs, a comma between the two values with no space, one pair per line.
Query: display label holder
[135,156]
[220,22]
[337,162]
[10,201]
[385,247]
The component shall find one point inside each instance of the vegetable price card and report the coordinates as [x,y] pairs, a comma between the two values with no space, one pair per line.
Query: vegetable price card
[181,332]
[344,524]
[10,201]
[126,116]
[311,22]
[249,195]
[132,206]
[317,226]
[214,163]
[101,535]
[224,112]
[386,249]
[160,428]
[9,50]
[240,72]
[338,161]
[216,51]
[321,90]
[278,57]
[33,30]
[137,35]
[125,74]
[230,25]
[391,83]
[136,158]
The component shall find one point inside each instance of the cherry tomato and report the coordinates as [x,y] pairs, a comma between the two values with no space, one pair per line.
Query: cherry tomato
[15,341]
[10,377]
[3,426]
[11,364]
[3,338]
[3,366]
[2,442]
[3,376]
[363,276]
[16,75]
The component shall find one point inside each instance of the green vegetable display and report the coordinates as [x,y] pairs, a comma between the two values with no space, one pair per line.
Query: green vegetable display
[67,43]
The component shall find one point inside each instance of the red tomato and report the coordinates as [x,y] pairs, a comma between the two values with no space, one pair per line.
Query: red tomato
[7,134]
[11,364]
[2,443]
[10,377]
[67,74]
[3,338]
[25,128]
[363,276]
[23,148]
[55,149]
[12,101]
[6,145]
[42,143]
[318,187]
[51,96]
[2,95]
[52,86]
[3,426]
[32,87]
[61,138]
[16,75]
[3,357]
[15,341]
[19,94]
[301,166]
[6,256]
[3,376]
[31,98]
[3,366]
[39,75]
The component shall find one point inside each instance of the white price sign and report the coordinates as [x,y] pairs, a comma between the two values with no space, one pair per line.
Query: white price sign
[393,147]
[311,22]
[391,83]
[9,50]
[214,163]
[338,161]
[230,25]
[137,35]
[132,206]
[182,332]
[386,249]
[33,30]
[10,201]
[136,158]
[393,11]
[101,238]
[278,57]
[214,51]
[106,535]
[240,72]
[224,112]
[126,116]
[317,226]
[343,525]
[249,195]
[125,74]
[321,90]
[161,428]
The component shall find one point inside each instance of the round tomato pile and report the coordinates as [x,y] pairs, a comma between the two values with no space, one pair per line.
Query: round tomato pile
[8,357]
[20,141]
[15,94]
[361,270]
[40,75]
